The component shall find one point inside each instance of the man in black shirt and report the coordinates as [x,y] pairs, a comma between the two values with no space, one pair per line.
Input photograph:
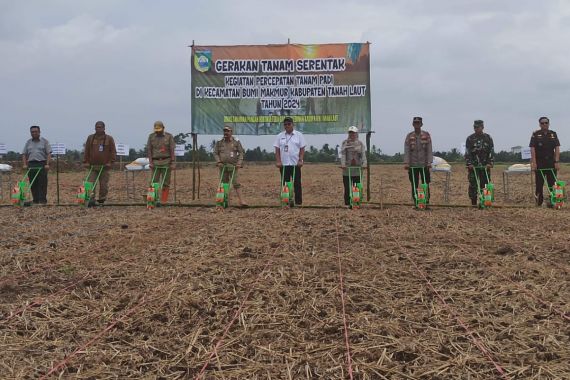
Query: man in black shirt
[545,154]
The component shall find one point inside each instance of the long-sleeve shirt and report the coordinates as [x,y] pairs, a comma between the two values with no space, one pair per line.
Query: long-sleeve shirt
[479,150]
[229,152]
[160,148]
[352,153]
[417,149]
[99,150]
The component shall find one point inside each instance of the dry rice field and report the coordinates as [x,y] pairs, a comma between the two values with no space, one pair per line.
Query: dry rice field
[192,292]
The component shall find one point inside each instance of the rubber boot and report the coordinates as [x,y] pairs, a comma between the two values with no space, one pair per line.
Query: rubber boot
[164,195]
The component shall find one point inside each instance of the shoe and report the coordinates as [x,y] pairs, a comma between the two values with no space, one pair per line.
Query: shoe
[539,200]
[91,203]
[101,201]
[473,201]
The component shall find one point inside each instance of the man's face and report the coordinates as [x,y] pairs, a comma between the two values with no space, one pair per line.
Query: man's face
[352,135]
[417,125]
[35,132]
[288,126]
[544,124]
[99,129]
[227,134]
[478,130]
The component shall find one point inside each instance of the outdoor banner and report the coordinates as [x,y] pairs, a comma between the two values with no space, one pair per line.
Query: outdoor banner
[324,88]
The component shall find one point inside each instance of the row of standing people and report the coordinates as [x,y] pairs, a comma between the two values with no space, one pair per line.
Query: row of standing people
[289,148]
[479,157]
[100,152]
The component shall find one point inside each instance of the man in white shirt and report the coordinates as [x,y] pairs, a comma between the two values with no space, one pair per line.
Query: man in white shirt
[289,152]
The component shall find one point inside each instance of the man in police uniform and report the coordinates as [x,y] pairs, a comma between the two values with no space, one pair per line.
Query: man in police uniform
[479,153]
[37,154]
[353,154]
[100,152]
[160,148]
[418,154]
[545,154]
[229,150]
[289,152]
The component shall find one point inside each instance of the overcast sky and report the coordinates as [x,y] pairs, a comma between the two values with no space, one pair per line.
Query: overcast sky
[66,64]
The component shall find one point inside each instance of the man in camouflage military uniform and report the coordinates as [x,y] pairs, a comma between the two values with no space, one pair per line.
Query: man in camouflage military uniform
[160,148]
[545,154]
[230,151]
[352,153]
[418,156]
[479,157]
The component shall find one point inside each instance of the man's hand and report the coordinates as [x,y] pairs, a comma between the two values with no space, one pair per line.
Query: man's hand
[172,166]
[533,166]
[219,164]
[86,165]
[489,166]
[300,163]
[151,165]
[470,167]
[46,167]
[342,167]
[108,165]
[429,166]
[557,165]
[406,167]
[279,164]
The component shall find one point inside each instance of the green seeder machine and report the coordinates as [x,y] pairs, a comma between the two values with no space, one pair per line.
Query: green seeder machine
[287,189]
[223,193]
[421,191]
[486,195]
[21,191]
[85,193]
[355,187]
[155,188]
[557,192]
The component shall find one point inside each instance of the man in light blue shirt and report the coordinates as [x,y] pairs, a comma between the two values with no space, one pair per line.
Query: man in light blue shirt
[289,152]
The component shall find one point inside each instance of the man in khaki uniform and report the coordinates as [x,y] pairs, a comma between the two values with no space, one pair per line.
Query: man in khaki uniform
[418,156]
[160,148]
[230,151]
[100,152]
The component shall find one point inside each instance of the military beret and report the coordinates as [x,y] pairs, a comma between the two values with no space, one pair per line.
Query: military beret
[478,123]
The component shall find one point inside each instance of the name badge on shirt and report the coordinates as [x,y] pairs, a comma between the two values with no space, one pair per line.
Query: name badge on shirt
[286,148]
[101,147]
